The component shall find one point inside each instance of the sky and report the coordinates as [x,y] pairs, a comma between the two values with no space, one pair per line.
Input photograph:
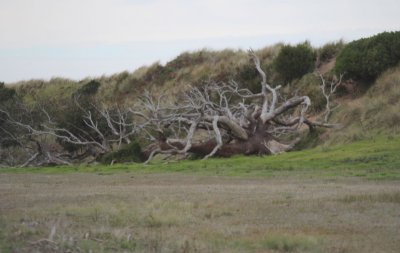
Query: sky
[41,39]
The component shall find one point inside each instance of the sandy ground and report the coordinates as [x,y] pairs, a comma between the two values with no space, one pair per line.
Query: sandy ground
[179,213]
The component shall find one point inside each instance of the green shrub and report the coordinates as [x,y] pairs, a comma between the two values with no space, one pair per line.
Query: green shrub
[365,59]
[6,93]
[128,153]
[248,76]
[330,50]
[309,85]
[294,61]
[186,59]
[69,113]
[6,103]
[89,88]
[156,74]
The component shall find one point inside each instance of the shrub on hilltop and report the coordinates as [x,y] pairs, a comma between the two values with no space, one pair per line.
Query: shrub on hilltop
[365,59]
[330,50]
[294,61]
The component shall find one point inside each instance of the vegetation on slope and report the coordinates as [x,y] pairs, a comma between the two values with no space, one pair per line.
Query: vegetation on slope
[295,61]
[377,112]
[189,68]
[367,58]
[373,110]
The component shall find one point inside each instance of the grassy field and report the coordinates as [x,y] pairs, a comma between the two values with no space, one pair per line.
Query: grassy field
[343,198]
[373,158]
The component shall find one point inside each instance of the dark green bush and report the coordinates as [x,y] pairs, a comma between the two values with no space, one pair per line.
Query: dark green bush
[89,88]
[330,50]
[156,74]
[6,93]
[248,76]
[309,85]
[365,59]
[293,62]
[185,60]
[69,113]
[128,153]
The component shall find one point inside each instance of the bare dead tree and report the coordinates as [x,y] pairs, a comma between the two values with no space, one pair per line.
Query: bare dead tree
[223,119]
[118,129]
[328,89]
[120,123]
[216,119]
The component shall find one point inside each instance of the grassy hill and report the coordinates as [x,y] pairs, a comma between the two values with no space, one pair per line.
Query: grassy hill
[365,109]
[189,68]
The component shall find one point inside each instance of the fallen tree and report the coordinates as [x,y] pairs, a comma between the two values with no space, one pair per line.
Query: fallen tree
[99,130]
[214,119]
[222,119]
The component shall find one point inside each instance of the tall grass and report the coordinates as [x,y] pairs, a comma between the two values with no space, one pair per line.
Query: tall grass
[188,68]
[376,112]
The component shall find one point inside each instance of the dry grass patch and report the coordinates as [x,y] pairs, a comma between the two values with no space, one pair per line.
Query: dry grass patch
[389,197]
[127,212]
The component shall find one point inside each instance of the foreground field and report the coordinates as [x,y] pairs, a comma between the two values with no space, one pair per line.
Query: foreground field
[343,198]
[175,212]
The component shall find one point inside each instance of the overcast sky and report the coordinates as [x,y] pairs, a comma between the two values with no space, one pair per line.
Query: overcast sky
[81,38]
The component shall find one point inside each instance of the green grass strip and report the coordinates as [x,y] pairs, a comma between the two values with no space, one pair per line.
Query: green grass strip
[377,158]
